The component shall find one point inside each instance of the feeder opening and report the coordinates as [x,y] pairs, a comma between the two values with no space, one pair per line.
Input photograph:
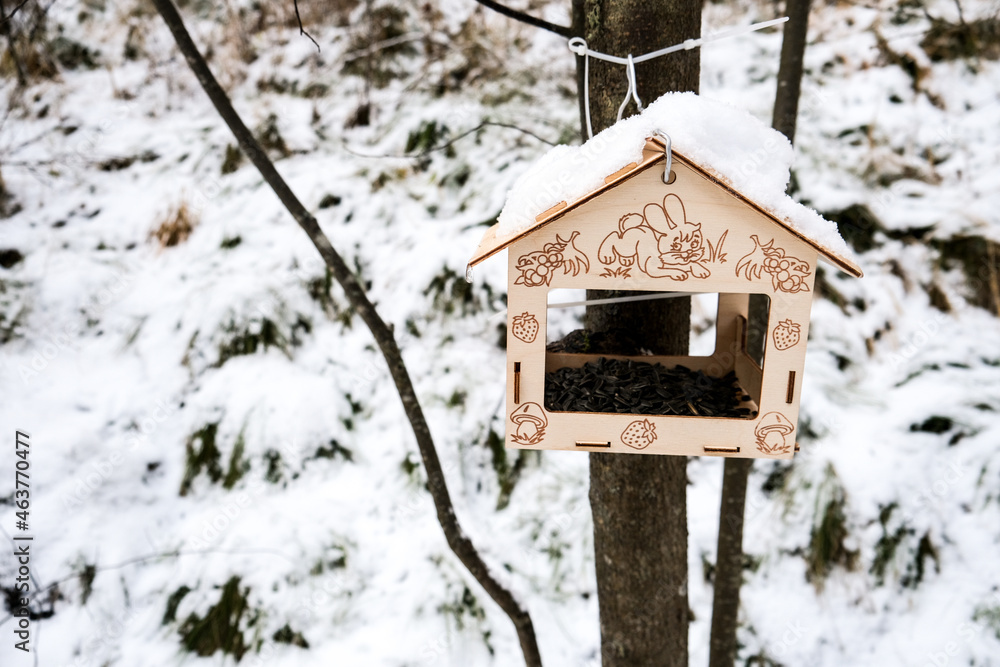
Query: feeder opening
[565,322]
[613,373]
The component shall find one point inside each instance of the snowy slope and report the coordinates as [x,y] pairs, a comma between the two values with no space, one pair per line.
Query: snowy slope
[127,361]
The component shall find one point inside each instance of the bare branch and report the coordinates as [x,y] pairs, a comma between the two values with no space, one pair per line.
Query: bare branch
[355,293]
[485,123]
[22,79]
[36,594]
[302,31]
[453,140]
[15,10]
[40,17]
[527,18]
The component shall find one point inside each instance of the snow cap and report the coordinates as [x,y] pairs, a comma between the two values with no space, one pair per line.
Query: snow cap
[727,143]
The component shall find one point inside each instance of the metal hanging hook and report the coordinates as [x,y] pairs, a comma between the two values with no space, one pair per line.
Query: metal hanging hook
[632,91]
[668,155]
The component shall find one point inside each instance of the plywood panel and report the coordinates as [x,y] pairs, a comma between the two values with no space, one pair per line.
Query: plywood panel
[646,235]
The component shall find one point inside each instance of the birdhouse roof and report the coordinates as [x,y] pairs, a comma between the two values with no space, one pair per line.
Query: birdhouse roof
[728,146]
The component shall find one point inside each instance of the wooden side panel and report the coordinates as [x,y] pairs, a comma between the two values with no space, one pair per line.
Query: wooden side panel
[788,328]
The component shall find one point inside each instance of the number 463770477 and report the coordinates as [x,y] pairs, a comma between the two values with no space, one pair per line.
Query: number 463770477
[22,498]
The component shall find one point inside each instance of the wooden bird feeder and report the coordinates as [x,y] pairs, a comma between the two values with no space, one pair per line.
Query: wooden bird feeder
[688,232]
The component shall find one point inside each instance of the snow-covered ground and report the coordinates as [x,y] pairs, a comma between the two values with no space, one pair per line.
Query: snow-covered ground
[209,422]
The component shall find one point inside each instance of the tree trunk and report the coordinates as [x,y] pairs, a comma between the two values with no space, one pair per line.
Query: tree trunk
[793,48]
[729,558]
[729,563]
[639,502]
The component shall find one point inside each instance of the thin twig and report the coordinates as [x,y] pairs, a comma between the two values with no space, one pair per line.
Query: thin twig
[15,10]
[383,334]
[302,31]
[384,44]
[137,560]
[493,123]
[564,31]
[22,78]
[445,145]
[961,14]
[40,20]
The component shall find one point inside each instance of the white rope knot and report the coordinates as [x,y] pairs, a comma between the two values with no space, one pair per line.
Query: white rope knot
[578,46]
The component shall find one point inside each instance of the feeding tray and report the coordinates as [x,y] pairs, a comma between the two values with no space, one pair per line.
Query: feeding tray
[631,386]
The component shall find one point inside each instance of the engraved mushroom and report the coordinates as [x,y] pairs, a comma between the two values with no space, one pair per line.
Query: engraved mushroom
[771,433]
[530,422]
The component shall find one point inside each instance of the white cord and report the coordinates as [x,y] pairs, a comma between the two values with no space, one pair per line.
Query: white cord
[496,317]
[622,299]
[578,45]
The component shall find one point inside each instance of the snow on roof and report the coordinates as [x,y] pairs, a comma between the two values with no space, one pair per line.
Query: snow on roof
[726,142]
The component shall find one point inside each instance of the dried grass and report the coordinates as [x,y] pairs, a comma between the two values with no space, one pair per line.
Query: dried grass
[176,227]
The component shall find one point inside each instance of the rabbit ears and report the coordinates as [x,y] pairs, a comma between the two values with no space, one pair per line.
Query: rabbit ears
[665,218]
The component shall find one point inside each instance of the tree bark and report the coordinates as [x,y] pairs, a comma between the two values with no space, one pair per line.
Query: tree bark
[729,558]
[639,503]
[729,563]
[355,293]
[793,48]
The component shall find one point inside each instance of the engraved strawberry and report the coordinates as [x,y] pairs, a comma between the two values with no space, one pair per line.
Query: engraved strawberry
[786,334]
[639,434]
[525,327]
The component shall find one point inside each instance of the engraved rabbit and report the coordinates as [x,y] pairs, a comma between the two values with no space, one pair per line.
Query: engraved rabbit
[662,242]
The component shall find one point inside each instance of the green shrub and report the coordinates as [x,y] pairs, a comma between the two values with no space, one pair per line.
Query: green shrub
[224,625]
[826,548]
[203,457]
